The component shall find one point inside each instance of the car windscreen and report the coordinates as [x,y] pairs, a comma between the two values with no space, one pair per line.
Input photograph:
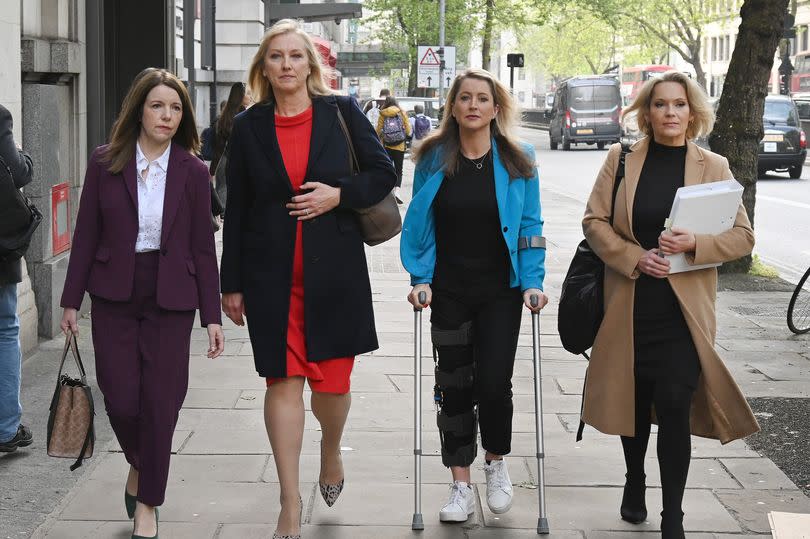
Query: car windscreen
[599,97]
[780,113]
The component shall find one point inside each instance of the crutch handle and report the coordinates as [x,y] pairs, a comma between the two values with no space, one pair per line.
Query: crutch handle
[421,299]
[534,300]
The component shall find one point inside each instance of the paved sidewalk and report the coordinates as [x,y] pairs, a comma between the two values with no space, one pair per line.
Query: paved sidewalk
[223,484]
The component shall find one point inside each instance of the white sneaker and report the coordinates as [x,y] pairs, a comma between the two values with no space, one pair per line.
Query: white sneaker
[460,505]
[499,487]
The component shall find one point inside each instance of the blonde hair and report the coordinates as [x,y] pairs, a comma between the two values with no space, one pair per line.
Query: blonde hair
[514,158]
[699,107]
[317,83]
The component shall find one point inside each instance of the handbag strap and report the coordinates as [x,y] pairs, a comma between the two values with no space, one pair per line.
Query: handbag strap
[354,164]
[73,346]
[618,179]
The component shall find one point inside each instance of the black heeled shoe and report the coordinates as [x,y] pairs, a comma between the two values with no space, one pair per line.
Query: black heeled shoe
[130,502]
[672,526]
[634,506]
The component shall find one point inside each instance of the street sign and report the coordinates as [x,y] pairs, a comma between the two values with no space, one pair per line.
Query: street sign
[427,70]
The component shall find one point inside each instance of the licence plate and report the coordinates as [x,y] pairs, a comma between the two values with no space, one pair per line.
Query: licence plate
[585,131]
[774,138]
[770,147]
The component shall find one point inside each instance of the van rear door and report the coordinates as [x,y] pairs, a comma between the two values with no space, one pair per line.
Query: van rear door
[596,110]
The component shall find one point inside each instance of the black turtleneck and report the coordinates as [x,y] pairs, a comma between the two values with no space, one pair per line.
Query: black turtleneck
[661,175]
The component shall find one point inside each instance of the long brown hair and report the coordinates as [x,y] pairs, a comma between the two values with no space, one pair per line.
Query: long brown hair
[233,106]
[514,158]
[319,73]
[127,126]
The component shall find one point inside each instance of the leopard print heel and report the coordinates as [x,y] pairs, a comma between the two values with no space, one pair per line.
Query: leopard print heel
[330,493]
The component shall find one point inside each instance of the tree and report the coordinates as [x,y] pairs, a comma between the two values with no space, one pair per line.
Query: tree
[738,129]
[403,25]
[576,41]
[677,24]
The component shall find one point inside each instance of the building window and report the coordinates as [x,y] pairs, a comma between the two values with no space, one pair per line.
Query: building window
[804,30]
[714,49]
[521,73]
[521,96]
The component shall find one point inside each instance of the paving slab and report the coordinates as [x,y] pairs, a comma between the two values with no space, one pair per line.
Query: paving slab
[84,529]
[751,507]
[758,474]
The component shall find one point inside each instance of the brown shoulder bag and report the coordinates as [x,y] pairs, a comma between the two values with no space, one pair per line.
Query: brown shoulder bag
[70,422]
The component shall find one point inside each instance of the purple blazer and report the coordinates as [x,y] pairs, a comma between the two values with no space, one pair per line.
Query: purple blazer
[102,258]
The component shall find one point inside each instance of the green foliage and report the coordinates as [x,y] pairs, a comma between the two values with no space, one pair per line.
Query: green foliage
[761,269]
[578,41]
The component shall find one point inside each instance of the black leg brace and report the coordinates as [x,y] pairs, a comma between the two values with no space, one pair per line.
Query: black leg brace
[457,415]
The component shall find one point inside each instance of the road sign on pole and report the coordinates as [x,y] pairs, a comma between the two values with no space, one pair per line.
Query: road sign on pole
[428,67]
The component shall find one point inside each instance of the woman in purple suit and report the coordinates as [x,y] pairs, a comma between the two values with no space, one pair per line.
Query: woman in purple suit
[143,248]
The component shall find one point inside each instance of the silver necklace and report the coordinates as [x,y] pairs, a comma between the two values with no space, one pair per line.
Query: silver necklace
[480,163]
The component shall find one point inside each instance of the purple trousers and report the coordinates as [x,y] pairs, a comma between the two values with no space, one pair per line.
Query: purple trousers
[142,356]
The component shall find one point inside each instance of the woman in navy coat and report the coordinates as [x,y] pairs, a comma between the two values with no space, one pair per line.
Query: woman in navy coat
[143,248]
[472,242]
[293,259]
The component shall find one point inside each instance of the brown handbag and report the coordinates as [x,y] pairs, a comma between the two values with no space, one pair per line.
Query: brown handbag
[382,221]
[70,422]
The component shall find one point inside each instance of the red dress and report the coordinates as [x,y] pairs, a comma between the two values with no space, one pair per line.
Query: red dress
[331,375]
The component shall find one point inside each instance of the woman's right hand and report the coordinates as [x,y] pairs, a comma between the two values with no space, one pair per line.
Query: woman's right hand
[653,264]
[69,322]
[413,297]
[233,305]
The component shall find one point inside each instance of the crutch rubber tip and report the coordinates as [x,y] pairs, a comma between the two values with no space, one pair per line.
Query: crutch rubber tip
[542,526]
[417,523]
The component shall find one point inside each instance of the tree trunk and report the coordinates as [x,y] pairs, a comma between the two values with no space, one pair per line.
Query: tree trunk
[412,74]
[739,129]
[486,43]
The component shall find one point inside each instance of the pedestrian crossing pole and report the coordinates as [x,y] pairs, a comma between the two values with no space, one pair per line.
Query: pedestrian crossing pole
[441,54]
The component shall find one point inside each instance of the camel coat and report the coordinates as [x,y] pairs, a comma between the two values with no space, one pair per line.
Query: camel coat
[719,409]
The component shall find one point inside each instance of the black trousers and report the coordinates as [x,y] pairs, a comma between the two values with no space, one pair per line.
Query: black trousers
[495,320]
[672,401]
[397,156]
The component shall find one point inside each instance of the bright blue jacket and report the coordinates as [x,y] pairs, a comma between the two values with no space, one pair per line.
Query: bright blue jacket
[518,208]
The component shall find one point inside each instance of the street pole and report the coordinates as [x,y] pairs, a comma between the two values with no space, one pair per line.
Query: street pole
[441,53]
[213,109]
[512,80]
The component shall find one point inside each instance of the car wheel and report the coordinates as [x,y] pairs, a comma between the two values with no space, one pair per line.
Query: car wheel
[553,143]
[761,173]
[600,145]
[566,144]
[795,172]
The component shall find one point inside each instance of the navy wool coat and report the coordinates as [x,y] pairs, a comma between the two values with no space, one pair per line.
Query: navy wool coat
[259,234]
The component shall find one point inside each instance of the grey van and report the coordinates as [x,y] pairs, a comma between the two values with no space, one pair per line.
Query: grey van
[586,110]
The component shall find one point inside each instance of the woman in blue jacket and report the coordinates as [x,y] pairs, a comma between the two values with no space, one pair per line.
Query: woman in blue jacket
[472,241]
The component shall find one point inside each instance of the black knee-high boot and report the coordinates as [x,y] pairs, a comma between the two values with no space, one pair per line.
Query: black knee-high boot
[672,405]
[634,506]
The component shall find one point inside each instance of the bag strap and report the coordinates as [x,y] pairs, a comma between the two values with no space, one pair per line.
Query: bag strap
[73,346]
[91,432]
[618,178]
[354,164]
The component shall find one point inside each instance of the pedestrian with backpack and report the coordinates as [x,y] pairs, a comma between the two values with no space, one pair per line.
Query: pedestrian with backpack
[393,127]
[421,126]
[15,172]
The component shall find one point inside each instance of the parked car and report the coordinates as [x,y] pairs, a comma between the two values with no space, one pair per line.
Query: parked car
[784,146]
[586,110]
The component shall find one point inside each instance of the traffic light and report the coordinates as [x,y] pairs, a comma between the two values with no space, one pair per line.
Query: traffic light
[514,60]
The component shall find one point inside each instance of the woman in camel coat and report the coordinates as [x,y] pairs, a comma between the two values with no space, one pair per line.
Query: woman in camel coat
[718,408]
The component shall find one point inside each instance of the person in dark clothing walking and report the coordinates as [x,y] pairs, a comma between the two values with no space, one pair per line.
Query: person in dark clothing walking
[472,241]
[238,101]
[16,166]
[661,362]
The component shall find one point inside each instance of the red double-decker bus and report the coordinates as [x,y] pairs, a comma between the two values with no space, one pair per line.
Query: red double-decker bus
[800,81]
[634,77]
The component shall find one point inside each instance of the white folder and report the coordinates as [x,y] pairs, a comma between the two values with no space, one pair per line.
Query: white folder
[706,208]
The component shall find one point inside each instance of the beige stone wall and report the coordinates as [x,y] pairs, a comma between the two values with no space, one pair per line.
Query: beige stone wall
[11,98]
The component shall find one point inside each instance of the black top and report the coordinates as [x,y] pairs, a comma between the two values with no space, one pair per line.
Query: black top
[661,176]
[470,249]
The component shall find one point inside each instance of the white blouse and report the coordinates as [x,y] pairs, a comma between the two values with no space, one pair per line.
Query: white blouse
[151,191]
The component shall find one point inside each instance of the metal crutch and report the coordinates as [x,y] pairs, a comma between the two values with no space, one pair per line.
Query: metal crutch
[417,523]
[542,520]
